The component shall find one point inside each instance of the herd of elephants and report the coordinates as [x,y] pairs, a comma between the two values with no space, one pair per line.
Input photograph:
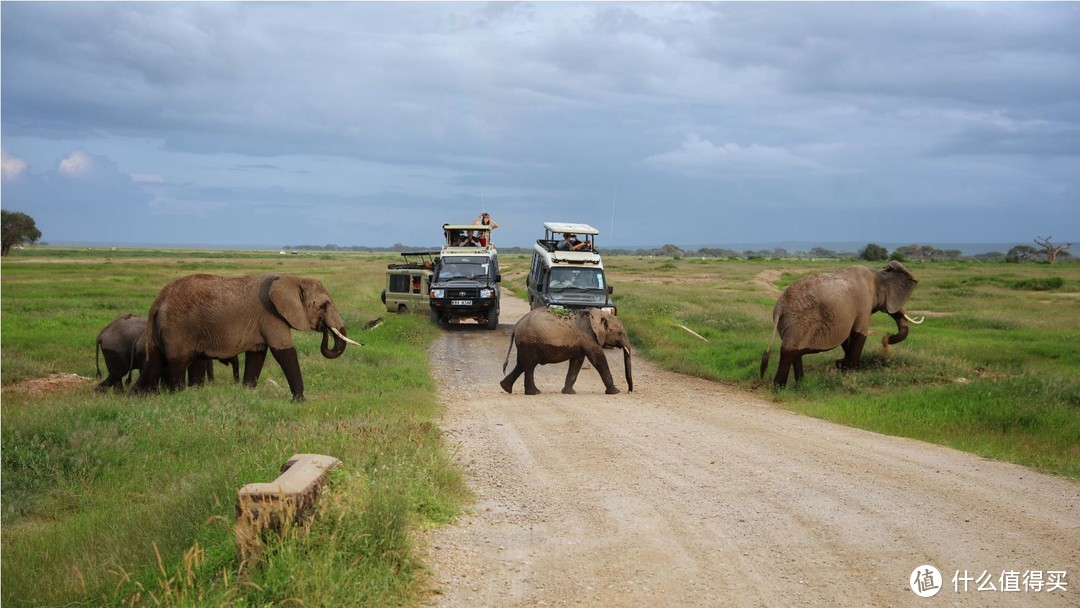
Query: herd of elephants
[201,318]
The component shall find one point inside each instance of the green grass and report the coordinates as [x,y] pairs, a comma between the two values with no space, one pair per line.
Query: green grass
[994,370]
[120,500]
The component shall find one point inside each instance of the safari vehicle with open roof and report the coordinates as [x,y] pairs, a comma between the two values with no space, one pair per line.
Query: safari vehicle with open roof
[567,269]
[465,283]
[408,282]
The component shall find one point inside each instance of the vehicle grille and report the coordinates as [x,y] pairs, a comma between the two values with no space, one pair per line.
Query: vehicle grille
[458,293]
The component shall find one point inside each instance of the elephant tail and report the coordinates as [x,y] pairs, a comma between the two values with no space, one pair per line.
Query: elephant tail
[768,351]
[508,349]
[131,365]
[153,364]
[97,356]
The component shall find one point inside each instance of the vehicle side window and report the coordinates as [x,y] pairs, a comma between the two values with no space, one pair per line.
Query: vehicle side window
[534,273]
[399,283]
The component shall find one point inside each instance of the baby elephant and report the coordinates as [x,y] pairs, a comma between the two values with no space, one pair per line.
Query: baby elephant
[123,345]
[545,336]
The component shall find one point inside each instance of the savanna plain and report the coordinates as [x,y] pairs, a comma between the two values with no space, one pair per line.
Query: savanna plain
[110,499]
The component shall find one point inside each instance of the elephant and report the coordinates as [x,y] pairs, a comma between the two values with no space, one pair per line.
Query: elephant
[545,336]
[819,312]
[204,316]
[123,345]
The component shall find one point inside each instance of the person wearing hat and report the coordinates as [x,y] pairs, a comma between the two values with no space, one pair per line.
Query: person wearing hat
[484,219]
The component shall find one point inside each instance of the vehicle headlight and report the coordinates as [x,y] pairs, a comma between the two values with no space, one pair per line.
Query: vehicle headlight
[438,293]
[487,293]
[609,310]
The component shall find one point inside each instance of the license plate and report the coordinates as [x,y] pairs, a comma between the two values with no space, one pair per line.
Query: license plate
[461,302]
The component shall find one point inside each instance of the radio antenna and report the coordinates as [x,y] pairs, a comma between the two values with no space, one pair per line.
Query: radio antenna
[611,231]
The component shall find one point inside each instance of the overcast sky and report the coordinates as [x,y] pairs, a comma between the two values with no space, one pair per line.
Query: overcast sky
[702,123]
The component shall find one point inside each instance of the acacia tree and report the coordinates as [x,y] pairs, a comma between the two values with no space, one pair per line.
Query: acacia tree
[1051,250]
[1021,253]
[925,253]
[874,253]
[17,229]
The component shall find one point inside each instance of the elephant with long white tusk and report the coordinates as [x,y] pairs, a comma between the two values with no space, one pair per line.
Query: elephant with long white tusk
[547,336]
[207,316]
[819,312]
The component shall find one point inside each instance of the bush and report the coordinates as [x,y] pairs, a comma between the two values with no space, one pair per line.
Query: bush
[1038,284]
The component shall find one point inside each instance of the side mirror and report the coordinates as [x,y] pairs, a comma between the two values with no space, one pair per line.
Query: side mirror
[610,290]
[498,278]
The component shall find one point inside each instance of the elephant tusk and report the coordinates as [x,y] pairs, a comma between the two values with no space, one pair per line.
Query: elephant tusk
[342,336]
[913,321]
[626,349]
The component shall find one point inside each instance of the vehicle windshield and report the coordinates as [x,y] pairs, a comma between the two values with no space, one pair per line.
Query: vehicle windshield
[463,268]
[585,279]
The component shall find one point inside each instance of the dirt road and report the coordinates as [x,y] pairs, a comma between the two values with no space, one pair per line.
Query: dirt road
[686,493]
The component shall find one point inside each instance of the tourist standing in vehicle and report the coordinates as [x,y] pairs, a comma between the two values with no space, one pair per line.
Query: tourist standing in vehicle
[484,219]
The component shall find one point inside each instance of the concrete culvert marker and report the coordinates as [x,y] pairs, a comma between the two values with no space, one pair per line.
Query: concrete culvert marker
[266,507]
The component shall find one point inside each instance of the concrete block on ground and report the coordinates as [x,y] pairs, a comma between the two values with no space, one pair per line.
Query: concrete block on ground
[262,508]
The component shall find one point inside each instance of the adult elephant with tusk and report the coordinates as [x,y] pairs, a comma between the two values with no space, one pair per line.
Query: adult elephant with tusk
[205,316]
[819,312]
[547,336]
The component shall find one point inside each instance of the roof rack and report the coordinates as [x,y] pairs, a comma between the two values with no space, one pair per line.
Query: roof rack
[453,233]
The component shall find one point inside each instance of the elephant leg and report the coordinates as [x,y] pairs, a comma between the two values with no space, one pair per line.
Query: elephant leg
[796,365]
[507,383]
[852,352]
[112,381]
[846,347]
[572,374]
[599,361]
[234,362]
[290,364]
[150,375]
[783,367]
[198,373]
[178,369]
[530,380]
[253,364]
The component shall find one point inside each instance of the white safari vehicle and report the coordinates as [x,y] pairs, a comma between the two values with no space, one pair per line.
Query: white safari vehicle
[567,269]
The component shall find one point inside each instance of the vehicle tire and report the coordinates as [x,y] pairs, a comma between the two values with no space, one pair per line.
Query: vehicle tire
[493,318]
[435,316]
[402,309]
[383,296]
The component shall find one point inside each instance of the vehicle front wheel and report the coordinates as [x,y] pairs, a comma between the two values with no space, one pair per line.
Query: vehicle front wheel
[493,318]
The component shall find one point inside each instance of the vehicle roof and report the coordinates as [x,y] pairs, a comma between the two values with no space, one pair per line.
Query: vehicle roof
[466,227]
[570,227]
[556,257]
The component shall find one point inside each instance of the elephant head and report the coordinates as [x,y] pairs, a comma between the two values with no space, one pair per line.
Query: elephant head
[894,286]
[306,305]
[610,333]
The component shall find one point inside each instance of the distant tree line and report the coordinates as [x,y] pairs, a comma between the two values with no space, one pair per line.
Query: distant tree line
[872,252]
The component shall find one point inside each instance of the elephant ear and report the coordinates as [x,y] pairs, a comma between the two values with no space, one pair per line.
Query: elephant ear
[286,293]
[899,285]
[599,325]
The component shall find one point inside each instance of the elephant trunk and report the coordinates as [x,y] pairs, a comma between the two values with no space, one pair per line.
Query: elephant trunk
[626,365]
[339,344]
[901,319]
